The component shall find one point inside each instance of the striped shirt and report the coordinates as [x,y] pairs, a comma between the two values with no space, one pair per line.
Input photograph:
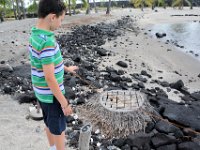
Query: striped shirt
[43,50]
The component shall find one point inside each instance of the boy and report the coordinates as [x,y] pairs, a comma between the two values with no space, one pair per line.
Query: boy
[47,71]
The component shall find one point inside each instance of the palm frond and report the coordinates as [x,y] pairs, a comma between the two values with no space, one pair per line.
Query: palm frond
[137,3]
[188,2]
[85,3]
[161,2]
[148,2]
[176,3]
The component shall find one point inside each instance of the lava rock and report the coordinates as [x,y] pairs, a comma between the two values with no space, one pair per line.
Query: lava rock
[119,142]
[6,68]
[126,147]
[164,83]
[138,140]
[77,58]
[161,139]
[114,77]
[141,85]
[144,73]
[26,98]
[80,100]
[139,77]
[122,64]
[167,147]
[160,35]
[101,51]
[186,116]
[69,119]
[177,85]
[70,94]
[7,89]
[196,96]
[188,146]
[150,126]
[167,127]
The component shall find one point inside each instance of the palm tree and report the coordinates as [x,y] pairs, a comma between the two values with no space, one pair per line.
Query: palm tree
[18,10]
[179,3]
[142,3]
[95,7]
[69,6]
[88,7]
[191,4]
[74,6]
[159,4]
[108,7]
[14,8]
[2,12]
[23,9]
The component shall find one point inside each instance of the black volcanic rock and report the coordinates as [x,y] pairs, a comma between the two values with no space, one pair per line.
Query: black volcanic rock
[70,94]
[186,116]
[139,77]
[126,147]
[6,68]
[119,142]
[167,147]
[141,85]
[150,126]
[161,139]
[188,146]
[139,140]
[177,85]
[144,73]
[101,51]
[122,64]
[27,98]
[196,96]
[167,127]
[160,35]
[76,58]
[164,83]
[114,77]
[80,100]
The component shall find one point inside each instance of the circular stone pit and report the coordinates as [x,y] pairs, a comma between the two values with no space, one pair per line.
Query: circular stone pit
[117,113]
[121,101]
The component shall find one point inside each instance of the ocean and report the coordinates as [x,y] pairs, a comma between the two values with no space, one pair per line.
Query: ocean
[186,35]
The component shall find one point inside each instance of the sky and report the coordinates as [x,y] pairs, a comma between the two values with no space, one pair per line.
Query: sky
[26,2]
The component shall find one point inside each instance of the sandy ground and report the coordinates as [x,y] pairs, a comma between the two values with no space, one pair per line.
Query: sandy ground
[18,133]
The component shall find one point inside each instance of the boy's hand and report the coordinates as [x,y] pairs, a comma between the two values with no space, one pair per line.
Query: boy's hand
[71,69]
[67,110]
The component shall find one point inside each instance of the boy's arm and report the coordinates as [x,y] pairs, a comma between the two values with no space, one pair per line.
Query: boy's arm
[53,85]
[71,69]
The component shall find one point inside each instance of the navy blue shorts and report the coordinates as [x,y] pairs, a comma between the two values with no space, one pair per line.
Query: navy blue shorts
[53,116]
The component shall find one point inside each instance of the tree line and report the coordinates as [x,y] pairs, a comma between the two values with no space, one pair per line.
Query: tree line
[16,8]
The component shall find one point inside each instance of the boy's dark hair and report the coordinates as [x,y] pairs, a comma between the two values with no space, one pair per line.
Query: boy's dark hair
[47,7]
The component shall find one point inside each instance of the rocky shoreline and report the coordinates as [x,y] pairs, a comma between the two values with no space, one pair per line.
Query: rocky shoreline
[87,47]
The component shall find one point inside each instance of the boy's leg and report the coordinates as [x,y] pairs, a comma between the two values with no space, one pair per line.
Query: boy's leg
[60,141]
[50,137]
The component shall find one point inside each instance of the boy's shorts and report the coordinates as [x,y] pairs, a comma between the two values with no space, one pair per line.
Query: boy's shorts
[53,116]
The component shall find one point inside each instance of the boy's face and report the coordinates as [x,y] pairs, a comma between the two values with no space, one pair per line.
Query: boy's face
[55,22]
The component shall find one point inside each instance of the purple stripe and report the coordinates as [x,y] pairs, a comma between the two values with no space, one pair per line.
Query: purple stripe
[59,65]
[59,71]
[34,50]
[47,50]
[36,70]
[46,88]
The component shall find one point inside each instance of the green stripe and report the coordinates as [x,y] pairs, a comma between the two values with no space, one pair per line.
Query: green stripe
[43,83]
